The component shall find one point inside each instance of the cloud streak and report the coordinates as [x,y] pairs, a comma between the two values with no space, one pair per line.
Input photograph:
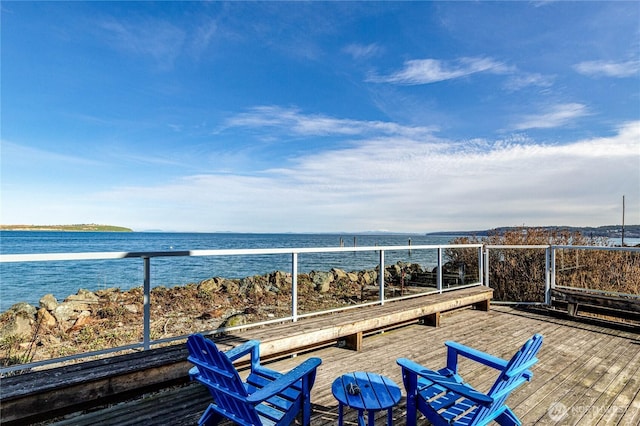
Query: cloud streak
[608,69]
[426,71]
[293,122]
[557,116]
[157,39]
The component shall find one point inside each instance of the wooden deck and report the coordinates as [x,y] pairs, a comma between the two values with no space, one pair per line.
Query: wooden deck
[588,374]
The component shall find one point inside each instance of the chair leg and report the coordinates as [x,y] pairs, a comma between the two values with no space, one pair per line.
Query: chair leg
[412,411]
[306,412]
[508,418]
[210,417]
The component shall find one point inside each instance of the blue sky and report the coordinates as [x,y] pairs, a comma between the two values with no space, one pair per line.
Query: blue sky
[320,117]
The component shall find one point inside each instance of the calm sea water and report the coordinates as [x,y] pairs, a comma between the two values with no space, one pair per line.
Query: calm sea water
[29,281]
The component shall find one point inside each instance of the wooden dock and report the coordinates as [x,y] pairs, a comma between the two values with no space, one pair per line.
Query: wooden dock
[588,374]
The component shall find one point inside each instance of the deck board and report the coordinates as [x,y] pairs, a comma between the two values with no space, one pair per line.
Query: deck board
[593,370]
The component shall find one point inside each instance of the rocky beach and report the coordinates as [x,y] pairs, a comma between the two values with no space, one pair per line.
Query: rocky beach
[108,318]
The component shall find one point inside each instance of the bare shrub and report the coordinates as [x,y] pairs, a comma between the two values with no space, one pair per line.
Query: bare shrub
[519,274]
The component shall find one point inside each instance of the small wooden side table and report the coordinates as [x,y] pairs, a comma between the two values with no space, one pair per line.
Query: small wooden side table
[368,392]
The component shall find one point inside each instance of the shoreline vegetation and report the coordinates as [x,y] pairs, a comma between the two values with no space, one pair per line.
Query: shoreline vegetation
[91,227]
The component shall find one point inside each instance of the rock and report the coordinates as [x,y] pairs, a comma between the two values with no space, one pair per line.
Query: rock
[339,274]
[18,322]
[281,280]
[236,320]
[132,307]
[322,280]
[64,312]
[83,319]
[353,277]
[23,309]
[48,302]
[231,287]
[110,294]
[88,296]
[82,300]
[210,286]
[369,277]
[45,318]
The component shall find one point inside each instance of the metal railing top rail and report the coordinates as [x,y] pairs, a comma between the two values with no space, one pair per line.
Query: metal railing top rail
[607,248]
[554,246]
[517,246]
[38,257]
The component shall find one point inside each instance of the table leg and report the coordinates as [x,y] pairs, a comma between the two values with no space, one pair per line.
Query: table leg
[372,417]
[340,418]
[390,417]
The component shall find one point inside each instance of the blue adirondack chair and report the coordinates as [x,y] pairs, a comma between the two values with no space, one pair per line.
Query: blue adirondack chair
[266,397]
[445,399]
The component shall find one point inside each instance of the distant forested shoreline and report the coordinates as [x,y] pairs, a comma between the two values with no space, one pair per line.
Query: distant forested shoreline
[74,228]
[609,231]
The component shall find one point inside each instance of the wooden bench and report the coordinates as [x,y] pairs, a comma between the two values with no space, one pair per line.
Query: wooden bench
[597,305]
[46,394]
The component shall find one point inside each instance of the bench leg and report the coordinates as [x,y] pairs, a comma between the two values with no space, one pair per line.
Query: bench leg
[433,319]
[572,309]
[353,342]
[483,306]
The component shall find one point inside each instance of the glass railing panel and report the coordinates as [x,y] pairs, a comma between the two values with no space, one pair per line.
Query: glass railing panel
[410,272]
[73,307]
[335,280]
[615,271]
[517,274]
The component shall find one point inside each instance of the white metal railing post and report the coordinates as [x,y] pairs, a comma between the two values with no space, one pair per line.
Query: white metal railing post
[146,333]
[480,264]
[439,276]
[294,286]
[552,276]
[381,277]
[486,266]
[547,273]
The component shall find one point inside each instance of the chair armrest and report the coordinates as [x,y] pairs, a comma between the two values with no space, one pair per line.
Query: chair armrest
[445,382]
[308,367]
[455,348]
[250,346]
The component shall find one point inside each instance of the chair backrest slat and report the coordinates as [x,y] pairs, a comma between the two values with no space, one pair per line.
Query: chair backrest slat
[218,373]
[513,375]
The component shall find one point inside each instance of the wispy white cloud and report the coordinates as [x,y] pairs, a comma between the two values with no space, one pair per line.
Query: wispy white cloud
[158,39]
[360,51]
[521,80]
[555,116]
[293,121]
[426,71]
[609,69]
[14,154]
[406,185]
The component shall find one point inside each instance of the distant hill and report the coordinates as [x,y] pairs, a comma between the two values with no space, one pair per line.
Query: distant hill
[92,227]
[609,231]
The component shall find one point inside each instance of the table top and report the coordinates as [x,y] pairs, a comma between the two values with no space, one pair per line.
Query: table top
[376,392]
